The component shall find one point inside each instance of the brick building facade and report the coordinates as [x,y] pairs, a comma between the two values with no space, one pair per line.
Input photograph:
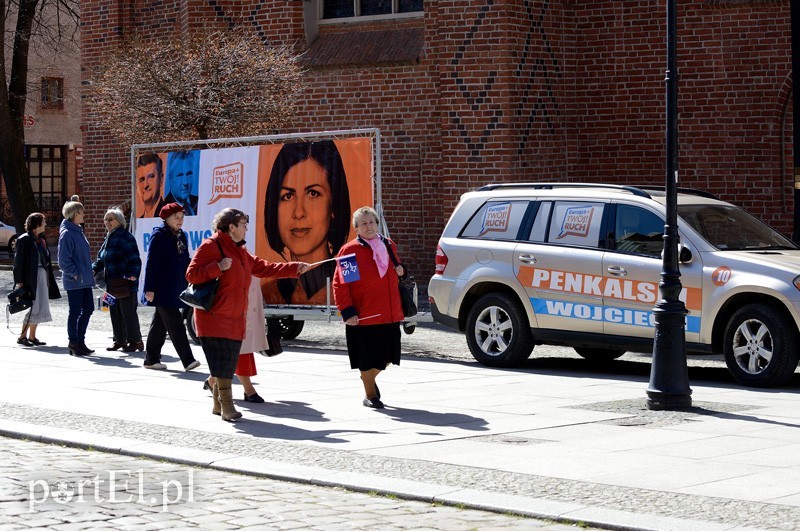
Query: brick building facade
[469,92]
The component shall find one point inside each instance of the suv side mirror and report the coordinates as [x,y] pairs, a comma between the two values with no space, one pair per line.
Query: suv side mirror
[685,255]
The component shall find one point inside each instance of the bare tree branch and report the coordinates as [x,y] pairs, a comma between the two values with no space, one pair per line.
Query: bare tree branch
[208,84]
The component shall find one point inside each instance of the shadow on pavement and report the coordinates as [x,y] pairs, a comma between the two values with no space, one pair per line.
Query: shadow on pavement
[430,418]
[285,409]
[252,425]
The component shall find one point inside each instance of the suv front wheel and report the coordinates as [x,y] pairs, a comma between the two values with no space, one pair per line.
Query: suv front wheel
[498,333]
[760,349]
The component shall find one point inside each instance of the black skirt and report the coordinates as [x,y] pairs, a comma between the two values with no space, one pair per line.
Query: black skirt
[222,355]
[373,346]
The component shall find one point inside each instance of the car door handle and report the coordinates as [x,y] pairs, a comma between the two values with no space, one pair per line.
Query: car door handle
[527,258]
[617,271]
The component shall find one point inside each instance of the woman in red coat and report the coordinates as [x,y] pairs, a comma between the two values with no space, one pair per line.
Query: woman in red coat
[222,328]
[370,306]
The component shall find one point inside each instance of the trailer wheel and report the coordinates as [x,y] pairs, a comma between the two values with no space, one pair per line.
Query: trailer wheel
[286,327]
[188,316]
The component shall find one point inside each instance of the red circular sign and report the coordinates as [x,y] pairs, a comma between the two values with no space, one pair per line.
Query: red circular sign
[721,275]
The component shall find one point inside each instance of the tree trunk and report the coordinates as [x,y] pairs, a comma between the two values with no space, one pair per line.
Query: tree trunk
[12,109]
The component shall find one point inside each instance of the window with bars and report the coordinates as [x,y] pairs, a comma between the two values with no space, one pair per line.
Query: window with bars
[338,9]
[52,93]
[47,166]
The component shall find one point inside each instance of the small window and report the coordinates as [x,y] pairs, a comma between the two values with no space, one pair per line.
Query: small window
[576,223]
[638,231]
[539,228]
[337,9]
[496,220]
[52,93]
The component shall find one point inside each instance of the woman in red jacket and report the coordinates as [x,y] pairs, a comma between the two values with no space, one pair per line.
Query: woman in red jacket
[370,306]
[222,328]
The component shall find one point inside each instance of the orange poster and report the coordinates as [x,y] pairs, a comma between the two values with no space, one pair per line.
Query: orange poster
[307,192]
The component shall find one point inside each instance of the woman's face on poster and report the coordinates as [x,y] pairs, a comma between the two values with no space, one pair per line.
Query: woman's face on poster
[304,209]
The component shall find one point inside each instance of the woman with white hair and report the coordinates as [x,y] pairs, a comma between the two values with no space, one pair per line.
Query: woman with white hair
[119,260]
[75,261]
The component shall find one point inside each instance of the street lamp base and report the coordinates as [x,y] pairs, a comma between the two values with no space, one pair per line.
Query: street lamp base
[665,402]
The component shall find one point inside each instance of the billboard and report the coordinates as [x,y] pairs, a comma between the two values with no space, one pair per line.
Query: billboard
[299,196]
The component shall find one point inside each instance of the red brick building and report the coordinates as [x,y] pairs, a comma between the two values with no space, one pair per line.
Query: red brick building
[469,92]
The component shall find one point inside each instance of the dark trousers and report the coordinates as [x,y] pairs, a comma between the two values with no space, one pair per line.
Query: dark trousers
[167,321]
[125,321]
[81,306]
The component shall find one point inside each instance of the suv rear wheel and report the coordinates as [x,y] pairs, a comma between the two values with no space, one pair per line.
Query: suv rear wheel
[760,346]
[498,333]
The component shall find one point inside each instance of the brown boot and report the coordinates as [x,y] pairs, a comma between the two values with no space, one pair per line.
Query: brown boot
[229,412]
[217,409]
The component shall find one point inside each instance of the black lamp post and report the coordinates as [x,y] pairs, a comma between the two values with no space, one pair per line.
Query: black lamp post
[669,375]
[795,16]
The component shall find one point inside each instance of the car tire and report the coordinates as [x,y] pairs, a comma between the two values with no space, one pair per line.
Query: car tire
[498,332]
[598,355]
[12,245]
[760,346]
[286,327]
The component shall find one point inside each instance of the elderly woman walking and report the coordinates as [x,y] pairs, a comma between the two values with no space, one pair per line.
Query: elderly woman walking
[75,261]
[33,270]
[222,328]
[164,279]
[370,306]
[119,260]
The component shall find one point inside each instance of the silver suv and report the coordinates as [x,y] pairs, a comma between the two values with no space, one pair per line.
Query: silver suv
[579,265]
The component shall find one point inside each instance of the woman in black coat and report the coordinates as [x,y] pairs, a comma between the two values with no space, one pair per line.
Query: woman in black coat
[33,270]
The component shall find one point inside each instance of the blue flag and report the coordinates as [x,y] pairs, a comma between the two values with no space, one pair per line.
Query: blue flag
[349,267]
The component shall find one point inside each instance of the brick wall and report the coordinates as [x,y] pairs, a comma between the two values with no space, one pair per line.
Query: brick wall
[522,90]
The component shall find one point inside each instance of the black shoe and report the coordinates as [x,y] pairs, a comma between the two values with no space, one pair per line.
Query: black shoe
[86,349]
[76,350]
[36,343]
[373,403]
[207,386]
[24,341]
[133,346]
[115,346]
[254,398]
[377,392]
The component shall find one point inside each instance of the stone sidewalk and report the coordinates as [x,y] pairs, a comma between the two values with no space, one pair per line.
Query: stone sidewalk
[554,444]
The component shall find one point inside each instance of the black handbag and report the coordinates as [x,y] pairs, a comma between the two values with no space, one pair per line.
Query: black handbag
[273,345]
[119,288]
[406,292]
[201,296]
[19,300]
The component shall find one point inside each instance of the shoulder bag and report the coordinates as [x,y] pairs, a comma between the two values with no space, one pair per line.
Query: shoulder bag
[19,300]
[406,293]
[201,296]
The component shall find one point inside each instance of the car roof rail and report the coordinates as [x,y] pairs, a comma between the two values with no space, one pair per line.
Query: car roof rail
[681,190]
[549,186]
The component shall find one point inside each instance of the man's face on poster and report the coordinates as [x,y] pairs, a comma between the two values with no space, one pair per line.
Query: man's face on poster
[148,182]
[181,177]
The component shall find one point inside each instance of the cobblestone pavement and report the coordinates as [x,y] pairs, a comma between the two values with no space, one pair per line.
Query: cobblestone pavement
[55,487]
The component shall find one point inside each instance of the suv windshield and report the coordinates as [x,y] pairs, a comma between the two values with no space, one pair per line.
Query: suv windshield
[729,228]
